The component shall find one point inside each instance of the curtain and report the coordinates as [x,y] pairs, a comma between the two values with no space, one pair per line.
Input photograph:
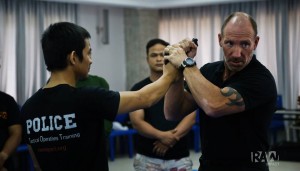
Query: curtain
[23,70]
[293,50]
[278,28]
[7,47]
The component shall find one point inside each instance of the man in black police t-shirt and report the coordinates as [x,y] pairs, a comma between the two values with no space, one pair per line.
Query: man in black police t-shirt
[63,124]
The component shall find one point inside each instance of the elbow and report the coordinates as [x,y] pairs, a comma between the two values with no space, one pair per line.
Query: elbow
[213,111]
[213,114]
[168,116]
[171,116]
[134,125]
[217,111]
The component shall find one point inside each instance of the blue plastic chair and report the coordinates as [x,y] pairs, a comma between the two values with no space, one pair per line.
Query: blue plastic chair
[121,118]
[196,133]
[23,148]
[277,120]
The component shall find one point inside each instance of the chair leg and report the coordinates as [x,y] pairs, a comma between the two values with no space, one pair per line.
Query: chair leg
[130,146]
[30,163]
[196,139]
[111,148]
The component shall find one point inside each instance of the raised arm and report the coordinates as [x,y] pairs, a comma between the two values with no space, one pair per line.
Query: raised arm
[213,100]
[178,102]
[148,95]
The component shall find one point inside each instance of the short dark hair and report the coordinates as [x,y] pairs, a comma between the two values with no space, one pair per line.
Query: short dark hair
[155,41]
[59,40]
[252,21]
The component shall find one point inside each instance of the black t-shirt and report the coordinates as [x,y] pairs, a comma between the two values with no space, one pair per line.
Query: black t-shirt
[9,115]
[154,115]
[64,126]
[235,137]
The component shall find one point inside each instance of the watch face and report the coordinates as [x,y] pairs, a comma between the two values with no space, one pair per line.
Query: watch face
[190,61]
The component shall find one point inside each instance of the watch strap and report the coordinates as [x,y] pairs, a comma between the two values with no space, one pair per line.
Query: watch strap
[182,65]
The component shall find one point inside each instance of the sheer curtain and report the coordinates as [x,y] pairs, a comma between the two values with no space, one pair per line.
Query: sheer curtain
[199,22]
[293,81]
[8,47]
[278,28]
[23,70]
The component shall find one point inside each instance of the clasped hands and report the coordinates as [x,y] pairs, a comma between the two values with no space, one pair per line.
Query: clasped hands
[168,140]
[176,53]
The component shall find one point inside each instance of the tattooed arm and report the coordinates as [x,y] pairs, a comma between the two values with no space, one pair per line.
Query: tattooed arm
[214,101]
[235,100]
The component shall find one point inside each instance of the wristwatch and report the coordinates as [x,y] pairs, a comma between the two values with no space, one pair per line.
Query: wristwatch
[188,62]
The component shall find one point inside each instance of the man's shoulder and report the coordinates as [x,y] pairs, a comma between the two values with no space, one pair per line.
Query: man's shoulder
[94,81]
[212,67]
[4,96]
[258,68]
[44,94]
[213,64]
[96,77]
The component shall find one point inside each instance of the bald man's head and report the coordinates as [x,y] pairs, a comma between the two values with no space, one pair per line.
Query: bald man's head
[239,18]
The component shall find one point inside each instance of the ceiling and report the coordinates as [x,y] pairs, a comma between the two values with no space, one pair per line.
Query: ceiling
[150,4]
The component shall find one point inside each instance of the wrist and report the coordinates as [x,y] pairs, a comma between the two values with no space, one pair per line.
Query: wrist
[3,155]
[187,62]
[158,135]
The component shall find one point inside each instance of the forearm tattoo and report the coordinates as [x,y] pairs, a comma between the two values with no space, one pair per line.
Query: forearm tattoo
[236,98]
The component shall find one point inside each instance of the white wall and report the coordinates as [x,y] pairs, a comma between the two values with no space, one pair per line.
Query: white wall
[108,59]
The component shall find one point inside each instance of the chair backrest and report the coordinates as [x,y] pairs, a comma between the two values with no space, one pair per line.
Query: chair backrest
[278,118]
[279,104]
[197,116]
[122,118]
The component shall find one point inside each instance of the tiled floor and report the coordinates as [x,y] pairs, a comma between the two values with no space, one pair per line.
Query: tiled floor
[124,163]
